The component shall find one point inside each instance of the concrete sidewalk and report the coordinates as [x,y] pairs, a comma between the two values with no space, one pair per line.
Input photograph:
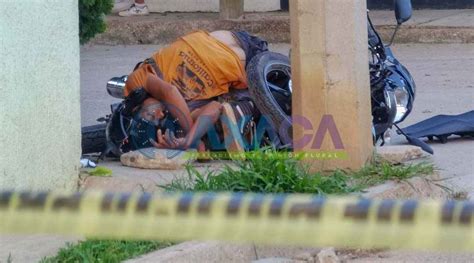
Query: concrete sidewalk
[31,248]
[426,26]
[128,179]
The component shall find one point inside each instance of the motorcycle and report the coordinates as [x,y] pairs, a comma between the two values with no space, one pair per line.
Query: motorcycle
[269,76]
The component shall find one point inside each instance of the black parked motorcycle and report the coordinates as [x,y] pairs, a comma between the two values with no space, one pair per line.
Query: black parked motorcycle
[392,86]
[269,76]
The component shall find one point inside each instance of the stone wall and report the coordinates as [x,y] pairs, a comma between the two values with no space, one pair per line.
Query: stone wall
[39,101]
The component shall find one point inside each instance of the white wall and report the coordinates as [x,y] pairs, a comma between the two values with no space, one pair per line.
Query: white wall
[208,5]
[39,94]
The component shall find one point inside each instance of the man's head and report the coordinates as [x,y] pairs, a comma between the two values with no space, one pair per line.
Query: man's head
[153,110]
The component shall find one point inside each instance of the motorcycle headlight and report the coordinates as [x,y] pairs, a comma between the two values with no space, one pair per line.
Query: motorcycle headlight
[401,98]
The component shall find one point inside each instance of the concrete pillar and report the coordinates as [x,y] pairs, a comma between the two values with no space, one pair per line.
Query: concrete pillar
[231,9]
[39,94]
[331,79]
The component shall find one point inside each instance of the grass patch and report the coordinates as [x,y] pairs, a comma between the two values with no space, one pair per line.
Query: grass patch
[106,251]
[266,173]
[269,173]
[101,172]
[381,171]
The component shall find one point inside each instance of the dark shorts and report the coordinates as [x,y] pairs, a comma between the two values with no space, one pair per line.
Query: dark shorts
[252,45]
[233,95]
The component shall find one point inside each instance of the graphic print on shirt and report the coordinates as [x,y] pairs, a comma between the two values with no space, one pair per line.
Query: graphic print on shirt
[192,77]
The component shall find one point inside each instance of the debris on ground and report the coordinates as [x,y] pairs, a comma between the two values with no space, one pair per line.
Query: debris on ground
[460,196]
[347,255]
[101,172]
[309,257]
[277,260]
[396,154]
[328,255]
[86,163]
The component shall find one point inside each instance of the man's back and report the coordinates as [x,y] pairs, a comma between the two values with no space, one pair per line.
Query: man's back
[200,65]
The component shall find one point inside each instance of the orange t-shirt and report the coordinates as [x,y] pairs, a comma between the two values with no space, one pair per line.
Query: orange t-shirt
[200,66]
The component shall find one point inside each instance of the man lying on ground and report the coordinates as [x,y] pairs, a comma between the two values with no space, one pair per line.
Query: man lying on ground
[186,79]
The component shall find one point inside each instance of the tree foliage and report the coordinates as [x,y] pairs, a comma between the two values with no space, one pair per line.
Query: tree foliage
[91,17]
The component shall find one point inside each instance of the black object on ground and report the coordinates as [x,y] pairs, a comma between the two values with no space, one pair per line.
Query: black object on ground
[424,4]
[415,141]
[94,138]
[443,126]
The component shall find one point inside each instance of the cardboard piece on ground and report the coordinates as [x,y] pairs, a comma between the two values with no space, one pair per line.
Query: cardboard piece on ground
[154,158]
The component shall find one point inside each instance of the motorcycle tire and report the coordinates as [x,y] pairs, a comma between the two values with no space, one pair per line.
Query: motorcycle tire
[262,95]
[94,139]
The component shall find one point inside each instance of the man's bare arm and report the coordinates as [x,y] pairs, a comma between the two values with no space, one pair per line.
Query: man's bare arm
[208,116]
[169,94]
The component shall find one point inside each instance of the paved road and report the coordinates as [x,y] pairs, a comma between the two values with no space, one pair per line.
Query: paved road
[443,74]
[445,80]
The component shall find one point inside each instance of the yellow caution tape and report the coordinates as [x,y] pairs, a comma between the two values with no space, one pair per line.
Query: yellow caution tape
[304,220]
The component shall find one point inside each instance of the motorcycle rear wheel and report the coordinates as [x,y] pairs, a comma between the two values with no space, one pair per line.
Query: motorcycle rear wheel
[269,76]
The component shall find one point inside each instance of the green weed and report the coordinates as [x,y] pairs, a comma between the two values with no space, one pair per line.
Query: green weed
[107,251]
[268,173]
[381,171]
[265,173]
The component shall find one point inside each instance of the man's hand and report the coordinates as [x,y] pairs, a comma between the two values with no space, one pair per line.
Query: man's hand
[207,117]
[169,141]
